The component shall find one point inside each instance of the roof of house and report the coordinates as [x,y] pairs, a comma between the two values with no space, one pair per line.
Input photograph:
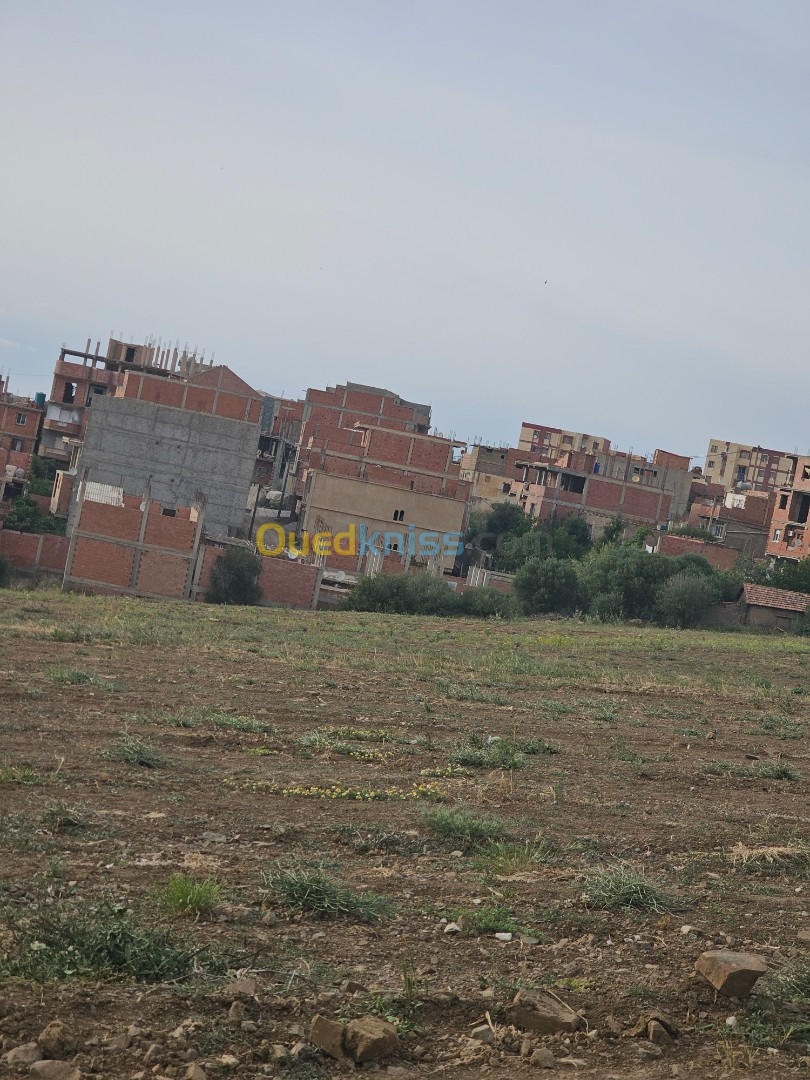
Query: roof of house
[762,596]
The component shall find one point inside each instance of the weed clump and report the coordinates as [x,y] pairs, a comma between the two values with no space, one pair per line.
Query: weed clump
[61,939]
[313,892]
[465,826]
[132,750]
[622,888]
[183,895]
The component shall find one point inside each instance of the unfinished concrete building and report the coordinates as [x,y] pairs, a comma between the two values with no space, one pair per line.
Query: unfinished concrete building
[548,443]
[81,377]
[185,442]
[603,485]
[789,529]
[20,428]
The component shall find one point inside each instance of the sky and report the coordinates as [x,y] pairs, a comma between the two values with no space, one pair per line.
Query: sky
[586,214]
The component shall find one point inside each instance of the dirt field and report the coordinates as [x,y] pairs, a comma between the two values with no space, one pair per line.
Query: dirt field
[679,756]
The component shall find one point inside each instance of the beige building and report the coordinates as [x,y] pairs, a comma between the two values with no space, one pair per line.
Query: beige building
[550,442]
[730,464]
[360,515]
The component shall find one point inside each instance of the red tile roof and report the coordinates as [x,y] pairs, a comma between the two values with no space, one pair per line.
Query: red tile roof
[762,596]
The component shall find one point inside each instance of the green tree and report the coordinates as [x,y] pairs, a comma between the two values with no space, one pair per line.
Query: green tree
[684,598]
[622,580]
[543,585]
[42,476]
[234,578]
[25,516]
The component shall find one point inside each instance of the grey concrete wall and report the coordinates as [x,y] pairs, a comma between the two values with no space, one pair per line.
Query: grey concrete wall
[181,454]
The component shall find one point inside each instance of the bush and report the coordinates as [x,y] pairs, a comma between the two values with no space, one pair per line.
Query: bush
[43,474]
[5,572]
[403,594]
[25,516]
[547,585]
[683,600]
[485,603]
[622,581]
[465,825]
[234,578]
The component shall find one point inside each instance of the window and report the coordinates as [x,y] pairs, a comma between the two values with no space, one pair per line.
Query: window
[572,483]
[20,419]
[547,437]
[595,444]
[505,488]
[399,515]
[719,529]
[783,502]
[69,393]
[17,445]
[129,356]
[764,459]
[261,470]
[710,464]
[744,455]
[777,533]
[167,512]
[567,440]
[713,449]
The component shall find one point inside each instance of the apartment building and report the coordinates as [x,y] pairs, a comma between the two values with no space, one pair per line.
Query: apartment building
[731,464]
[548,443]
[600,486]
[789,536]
[20,429]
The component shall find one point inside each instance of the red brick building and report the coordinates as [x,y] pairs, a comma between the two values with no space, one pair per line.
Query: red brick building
[789,531]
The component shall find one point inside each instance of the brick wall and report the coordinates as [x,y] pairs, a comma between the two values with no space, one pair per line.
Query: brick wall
[138,552]
[34,551]
[289,583]
[719,557]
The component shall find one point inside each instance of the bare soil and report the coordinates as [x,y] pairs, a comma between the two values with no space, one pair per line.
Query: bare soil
[665,743]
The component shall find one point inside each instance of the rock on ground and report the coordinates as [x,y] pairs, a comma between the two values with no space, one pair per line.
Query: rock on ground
[731,973]
[25,1054]
[369,1038]
[542,1013]
[55,1070]
[327,1035]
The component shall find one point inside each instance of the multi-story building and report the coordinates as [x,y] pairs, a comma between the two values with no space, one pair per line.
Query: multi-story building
[789,536]
[185,441]
[731,464]
[395,482]
[603,485]
[81,377]
[738,520]
[20,428]
[548,443]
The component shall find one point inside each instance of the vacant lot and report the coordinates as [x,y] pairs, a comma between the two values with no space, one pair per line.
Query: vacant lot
[341,784]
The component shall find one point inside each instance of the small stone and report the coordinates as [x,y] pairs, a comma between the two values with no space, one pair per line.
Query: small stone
[804,936]
[195,1072]
[504,937]
[488,994]
[26,1054]
[269,919]
[526,1048]
[299,1051]
[150,1057]
[731,973]
[542,1013]
[119,1042]
[483,1034]
[55,1070]
[456,854]
[249,1026]
[240,990]
[526,939]
[55,1041]
[658,1034]
[648,1050]
[452,928]
[369,1038]
[351,986]
[327,1035]
[731,1022]
[236,1011]
[543,1059]
[227,1061]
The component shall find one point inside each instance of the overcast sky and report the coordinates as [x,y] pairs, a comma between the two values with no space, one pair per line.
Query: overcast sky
[583,213]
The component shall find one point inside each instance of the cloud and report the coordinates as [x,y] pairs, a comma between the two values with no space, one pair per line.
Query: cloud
[7,343]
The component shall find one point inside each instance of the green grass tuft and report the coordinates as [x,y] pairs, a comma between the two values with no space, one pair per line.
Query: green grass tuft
[313,892]
[185,895]
[465,826]
[621,887]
